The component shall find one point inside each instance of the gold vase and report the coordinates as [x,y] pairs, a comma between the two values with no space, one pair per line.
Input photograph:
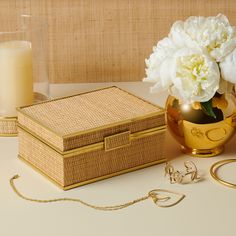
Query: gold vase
[198,133]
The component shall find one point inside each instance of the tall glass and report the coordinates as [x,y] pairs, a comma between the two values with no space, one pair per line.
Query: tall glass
[23,69]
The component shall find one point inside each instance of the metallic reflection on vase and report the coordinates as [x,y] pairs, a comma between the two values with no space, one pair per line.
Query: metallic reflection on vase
[198,133]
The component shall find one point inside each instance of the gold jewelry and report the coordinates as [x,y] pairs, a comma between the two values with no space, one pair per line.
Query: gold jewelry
[215,167]
[155,195]
[180,177]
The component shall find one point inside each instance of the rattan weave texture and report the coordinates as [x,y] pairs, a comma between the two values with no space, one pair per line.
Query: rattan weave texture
[91,136]
[87,118]
[8,127]
[89,165]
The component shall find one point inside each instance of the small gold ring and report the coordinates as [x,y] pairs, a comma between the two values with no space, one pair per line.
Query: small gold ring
[215,167]
[176,176]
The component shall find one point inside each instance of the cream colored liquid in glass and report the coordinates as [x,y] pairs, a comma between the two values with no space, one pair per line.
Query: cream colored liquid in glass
[16,79]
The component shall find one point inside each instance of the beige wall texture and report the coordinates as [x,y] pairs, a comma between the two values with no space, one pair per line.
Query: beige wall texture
[106,40]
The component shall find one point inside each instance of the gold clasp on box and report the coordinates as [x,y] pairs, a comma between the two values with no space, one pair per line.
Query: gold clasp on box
[117,141]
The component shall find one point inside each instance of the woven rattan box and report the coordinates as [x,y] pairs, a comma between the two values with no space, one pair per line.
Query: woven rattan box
[91,136]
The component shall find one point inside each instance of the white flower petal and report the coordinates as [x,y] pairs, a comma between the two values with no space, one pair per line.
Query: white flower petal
[159,65]
[197,76]
[179,37]
[167,72]
[213,34]
[228,67]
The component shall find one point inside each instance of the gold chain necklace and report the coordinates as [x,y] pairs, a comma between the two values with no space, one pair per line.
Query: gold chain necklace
[155,195]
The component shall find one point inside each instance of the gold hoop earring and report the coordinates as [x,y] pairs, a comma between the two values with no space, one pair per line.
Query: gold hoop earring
[215,167]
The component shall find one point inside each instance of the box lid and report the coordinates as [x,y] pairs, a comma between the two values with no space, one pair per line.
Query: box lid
[79,120]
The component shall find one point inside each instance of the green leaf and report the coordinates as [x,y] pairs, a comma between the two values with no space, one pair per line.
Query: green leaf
[207,108]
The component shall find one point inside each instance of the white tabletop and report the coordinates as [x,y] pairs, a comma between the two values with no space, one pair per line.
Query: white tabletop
[208,209]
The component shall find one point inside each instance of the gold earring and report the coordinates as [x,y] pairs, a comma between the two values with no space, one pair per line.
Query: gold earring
[181,177]
[215,167]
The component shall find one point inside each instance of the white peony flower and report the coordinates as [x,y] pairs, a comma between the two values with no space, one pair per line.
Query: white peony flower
[228,67]
[180,38]
[196,76]
[158,65]
[213,34]
[187,61]
[190,75]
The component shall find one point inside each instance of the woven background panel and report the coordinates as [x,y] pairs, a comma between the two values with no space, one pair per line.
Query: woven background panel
[106,40]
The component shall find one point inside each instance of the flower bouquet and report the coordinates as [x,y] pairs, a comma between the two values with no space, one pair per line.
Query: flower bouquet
[196,63]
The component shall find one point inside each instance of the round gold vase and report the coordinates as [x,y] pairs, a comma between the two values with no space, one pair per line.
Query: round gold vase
[198,133]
